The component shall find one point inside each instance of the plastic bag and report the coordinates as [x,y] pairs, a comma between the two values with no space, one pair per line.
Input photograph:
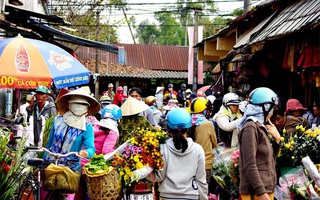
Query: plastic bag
[221,172]
[61,178]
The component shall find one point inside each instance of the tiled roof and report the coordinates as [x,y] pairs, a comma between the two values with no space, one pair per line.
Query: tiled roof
[116,70]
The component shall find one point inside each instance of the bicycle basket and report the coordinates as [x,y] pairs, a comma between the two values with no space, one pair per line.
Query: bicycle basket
[61,178]
[105,186]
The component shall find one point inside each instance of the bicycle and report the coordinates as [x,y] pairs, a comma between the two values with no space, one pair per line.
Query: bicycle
[30,187]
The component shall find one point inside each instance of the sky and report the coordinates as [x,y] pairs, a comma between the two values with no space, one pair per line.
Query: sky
[141,10]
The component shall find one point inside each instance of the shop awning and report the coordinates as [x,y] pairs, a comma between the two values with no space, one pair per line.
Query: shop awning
[38,23]
[298,16]
[66,37]
[247,36]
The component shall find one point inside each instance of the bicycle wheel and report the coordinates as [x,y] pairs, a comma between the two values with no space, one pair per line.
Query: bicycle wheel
[27,191]
[55,195]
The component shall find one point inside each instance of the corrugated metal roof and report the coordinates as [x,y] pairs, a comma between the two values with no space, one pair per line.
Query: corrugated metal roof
[155,57]
[296,17]
[247,36]
[117,70]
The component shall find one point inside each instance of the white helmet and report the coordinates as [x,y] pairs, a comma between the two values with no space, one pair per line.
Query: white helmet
[211,98]
[110,85]
[230,99]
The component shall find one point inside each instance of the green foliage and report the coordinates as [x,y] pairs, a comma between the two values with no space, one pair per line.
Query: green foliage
[10,168]
[90,20]
[147,33]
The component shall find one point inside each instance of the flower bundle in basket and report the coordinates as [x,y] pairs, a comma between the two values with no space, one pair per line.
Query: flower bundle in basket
[298,145]
[224,170]
[102,179]
[142,150]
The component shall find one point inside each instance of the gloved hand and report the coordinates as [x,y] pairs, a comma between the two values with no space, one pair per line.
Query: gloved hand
[108,156]
[135,176]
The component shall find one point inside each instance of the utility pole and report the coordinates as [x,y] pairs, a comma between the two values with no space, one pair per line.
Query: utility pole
[125,15]
[195,56]
[246,6]
[96,88]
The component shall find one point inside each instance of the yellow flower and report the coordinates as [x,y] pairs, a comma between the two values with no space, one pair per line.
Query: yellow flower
[136,158]
[292,157]
[127,169]
[139,165]
[284,131]
[287,145]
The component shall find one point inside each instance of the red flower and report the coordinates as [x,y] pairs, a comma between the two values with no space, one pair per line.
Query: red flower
[6,169]
[3,164]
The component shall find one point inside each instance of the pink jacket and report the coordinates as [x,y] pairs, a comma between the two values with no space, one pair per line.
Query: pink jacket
[104,143]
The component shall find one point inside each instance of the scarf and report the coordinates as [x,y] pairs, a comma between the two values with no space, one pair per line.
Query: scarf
[226,111]
[78,122]
[254,113]
[64,137]
[198,119]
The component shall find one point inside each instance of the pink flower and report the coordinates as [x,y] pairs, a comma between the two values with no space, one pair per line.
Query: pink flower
[235,165]
[235,156]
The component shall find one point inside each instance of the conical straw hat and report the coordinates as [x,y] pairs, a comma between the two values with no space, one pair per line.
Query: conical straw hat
[63,105]
[133,106]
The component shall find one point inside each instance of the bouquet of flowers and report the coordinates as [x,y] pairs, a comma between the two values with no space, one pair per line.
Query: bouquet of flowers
[10,164]
[298,145]
[295,186]
[142,150]
[234,166]
[222,172]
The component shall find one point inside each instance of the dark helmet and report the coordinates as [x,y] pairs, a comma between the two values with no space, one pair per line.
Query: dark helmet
[170,85]
[183,86]
[217,91]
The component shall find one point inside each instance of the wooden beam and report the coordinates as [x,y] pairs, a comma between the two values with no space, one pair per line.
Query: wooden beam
[203,57]
[210,49]
[226,43]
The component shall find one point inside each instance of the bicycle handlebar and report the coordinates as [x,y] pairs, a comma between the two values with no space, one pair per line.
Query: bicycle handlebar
[56,155]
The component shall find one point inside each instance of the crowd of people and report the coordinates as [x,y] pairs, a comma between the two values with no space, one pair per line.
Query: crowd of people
[195,123]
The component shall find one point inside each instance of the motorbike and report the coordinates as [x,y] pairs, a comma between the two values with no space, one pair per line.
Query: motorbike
[12,126]
[141,190]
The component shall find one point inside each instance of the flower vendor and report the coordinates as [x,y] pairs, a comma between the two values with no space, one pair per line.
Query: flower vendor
[131,119]
[258,176]
[287,124]
[70,132]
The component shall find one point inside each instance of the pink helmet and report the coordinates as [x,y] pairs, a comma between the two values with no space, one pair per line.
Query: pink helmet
[120,88]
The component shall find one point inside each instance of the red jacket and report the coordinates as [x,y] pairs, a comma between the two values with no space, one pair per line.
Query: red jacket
[118,99]
[310,57]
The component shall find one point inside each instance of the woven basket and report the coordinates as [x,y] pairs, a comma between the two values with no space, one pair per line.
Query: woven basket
[104,187]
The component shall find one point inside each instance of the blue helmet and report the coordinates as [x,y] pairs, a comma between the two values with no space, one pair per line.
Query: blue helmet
[179,118]
[111,111]
[263,95]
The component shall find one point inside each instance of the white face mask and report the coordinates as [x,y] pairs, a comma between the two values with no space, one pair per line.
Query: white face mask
[78,109]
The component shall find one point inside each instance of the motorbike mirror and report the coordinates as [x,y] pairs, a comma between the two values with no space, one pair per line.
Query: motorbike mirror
[18,120]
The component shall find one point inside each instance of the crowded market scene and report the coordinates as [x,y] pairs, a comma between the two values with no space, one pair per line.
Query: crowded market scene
[225,108]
